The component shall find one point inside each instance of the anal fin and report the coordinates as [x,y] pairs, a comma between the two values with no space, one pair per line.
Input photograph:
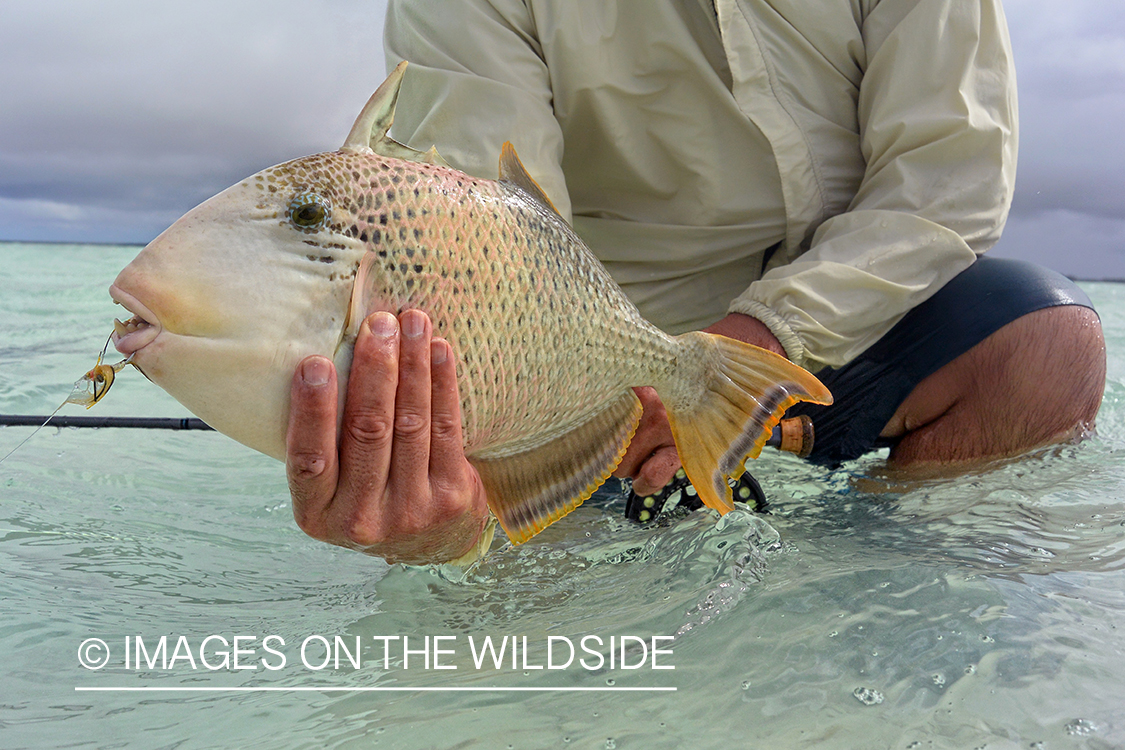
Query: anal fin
[529,490]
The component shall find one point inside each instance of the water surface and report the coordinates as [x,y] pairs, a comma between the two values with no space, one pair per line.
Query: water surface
[979,612]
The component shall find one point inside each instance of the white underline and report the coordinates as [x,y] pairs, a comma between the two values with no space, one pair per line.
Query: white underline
[328,689]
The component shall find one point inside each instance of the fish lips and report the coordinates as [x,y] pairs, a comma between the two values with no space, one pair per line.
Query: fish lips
[137,332]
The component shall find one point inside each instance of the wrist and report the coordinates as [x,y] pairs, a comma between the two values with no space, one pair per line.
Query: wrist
[748,329]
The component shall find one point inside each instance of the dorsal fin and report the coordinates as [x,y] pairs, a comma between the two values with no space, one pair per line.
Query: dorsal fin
[512,170]
[369,133]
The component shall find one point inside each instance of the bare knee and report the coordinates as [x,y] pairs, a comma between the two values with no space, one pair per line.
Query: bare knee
[1056,373]
[1036,381]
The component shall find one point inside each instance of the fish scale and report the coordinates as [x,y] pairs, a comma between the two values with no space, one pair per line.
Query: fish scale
[494,272]
[289,262]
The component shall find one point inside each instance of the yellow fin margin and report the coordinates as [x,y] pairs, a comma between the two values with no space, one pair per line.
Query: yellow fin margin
[513,171]
[529,490]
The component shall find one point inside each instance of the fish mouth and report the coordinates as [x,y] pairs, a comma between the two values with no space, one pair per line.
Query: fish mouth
[138,331]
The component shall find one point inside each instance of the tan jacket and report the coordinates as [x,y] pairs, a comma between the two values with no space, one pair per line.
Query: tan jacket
[870,143]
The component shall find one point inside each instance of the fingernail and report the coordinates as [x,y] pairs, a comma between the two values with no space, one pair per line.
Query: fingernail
[413,324]
[383,324]
[315,371]
[438,351]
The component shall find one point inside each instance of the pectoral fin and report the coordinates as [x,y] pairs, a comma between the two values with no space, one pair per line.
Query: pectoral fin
[530,489]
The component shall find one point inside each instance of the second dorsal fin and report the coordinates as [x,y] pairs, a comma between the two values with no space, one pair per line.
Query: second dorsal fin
[512,170]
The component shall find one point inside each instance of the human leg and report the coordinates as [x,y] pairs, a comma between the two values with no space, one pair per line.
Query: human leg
[974,351]
[1037,380]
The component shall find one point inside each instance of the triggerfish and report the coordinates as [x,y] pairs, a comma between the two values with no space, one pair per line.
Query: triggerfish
[287,263]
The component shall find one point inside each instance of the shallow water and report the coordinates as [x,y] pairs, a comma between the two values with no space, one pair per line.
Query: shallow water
[983,611]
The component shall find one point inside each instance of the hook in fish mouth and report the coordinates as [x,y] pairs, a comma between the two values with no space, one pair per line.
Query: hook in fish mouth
[137,332]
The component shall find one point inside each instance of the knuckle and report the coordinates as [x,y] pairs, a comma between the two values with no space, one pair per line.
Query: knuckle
[455,504]
[362,531]
[369,428]
[411,425]
[306,465]
[416,525]
[310,523]
[445,425]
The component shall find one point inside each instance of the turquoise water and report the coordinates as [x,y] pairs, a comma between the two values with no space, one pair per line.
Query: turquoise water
[983,611]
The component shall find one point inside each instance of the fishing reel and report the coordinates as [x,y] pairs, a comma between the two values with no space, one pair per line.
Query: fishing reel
[745,489]
[792,435]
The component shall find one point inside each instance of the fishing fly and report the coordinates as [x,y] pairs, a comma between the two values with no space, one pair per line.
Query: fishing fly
[89,390]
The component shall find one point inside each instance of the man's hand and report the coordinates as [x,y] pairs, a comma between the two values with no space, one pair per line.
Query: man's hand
[397,484]
[651,460]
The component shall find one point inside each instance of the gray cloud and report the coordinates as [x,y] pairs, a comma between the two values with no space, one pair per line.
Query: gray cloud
[1071,66]
[1069,208]
[124,115]
[118,116]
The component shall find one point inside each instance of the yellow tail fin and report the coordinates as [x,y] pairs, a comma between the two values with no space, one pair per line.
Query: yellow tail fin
[745,392]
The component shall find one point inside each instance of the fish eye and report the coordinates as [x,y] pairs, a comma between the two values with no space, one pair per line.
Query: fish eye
[309,211]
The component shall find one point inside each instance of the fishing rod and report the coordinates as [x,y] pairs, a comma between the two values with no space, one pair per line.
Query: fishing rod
[144,423]
[793,435]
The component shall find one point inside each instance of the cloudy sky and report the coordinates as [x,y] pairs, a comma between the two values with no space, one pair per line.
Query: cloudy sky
[116,117]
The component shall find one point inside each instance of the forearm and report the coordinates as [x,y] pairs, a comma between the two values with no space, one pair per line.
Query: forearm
[937,131]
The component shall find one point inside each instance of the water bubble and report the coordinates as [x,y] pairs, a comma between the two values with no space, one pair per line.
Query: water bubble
[610,743]
[834,633]
[988,639]
[746,684]
[971,669]
[939,679]
[1080,727]
[868,696]
[611,682]
[566,739]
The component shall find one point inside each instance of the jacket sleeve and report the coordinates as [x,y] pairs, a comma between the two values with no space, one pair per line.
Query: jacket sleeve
[476,79]
[938,132]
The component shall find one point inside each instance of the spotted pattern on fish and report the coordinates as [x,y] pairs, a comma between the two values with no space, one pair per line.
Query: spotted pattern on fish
[494,270]
[288,262]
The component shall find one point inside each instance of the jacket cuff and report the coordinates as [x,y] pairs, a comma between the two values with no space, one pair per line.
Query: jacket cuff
[794,348]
